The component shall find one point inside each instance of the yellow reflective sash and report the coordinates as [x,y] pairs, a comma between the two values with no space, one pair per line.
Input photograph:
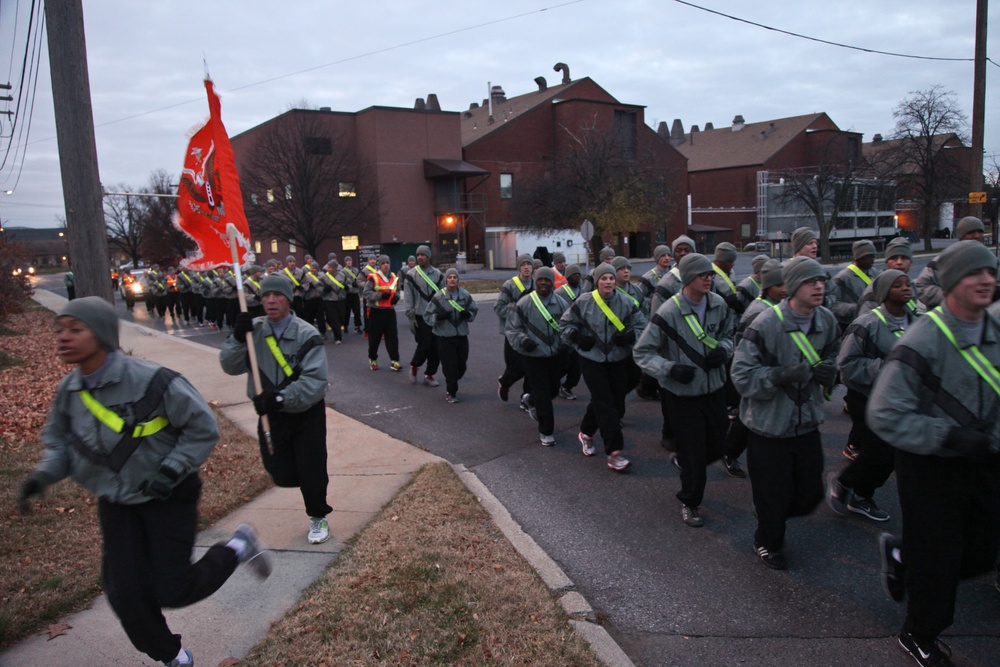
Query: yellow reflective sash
[434,287]
[253,282]
[517,281]
[544,311]
[696,329]
[569,290]
[456,305]
[860,274]
[755,283]
[897,332]
[722,274]
[972,355]
[607,311]
[801,342]
[278,356]
[116,423]
[186,278]
[634,300]
[291,276]
[335,281]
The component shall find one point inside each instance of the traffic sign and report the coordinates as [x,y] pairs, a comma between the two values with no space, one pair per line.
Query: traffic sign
[977,197]
[587,229]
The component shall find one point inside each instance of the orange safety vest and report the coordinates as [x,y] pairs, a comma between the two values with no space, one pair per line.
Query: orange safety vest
[560,279]
[383,285]
[171,283]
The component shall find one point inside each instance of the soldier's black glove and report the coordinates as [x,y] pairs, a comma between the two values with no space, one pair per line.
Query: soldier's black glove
[971,441]
[825,372]
[327,289]
[31,487]
[465,314]
[529,345]
[793,374]
[585,341]
[395,299]
[160,484]
[244,325]
[716,357]
[681,373]
[267,401]
[623,338]
[735,302]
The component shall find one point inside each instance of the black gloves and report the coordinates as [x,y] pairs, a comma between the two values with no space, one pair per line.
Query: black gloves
[268,401]
[972,441]
[681,373]
[529,345]
[783,375]
[160,484]
[244,325]
[585,341]
[716,357]
[327,289]
[395,299]
[825,372]
[465,314]
[385,296]
[623,338]
[735,302]
[413,326]
[31,487]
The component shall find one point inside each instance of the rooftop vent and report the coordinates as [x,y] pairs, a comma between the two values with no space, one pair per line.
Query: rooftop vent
[419,104]
[709,126]
[541,82]
[564,68]
[738,123]
[325,109]
[877,139]
[432,102]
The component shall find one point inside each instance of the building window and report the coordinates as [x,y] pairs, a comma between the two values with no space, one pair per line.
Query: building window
[274,246]
[506,186]
[626,134]
[291,246]
[256,247]
[270,196]
[349,242]
[288,192]
[318,146]
[745,230]
[348,190]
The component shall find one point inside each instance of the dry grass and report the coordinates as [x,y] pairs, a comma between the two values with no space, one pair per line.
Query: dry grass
[430,582]
[483,286]
[50,559]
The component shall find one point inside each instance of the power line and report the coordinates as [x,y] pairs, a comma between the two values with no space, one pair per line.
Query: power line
[822,41]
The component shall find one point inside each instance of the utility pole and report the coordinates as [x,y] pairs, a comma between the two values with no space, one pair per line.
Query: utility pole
[88,241]
[979,110]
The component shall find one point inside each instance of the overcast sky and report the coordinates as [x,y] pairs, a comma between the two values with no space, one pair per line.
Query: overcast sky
[145,62]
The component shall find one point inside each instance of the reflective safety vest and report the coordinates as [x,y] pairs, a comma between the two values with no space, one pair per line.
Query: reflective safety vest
[560,279]
[382,285]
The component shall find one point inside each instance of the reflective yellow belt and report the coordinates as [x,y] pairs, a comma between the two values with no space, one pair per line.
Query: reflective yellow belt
[801,342]
[335,281]
[696,328]
[860,274]
[607,311]
[897,332]
[634,300]
[292,277]
[434,287]
[116,423]
[720,272]
[972,355]
[278,356]
[569,290]
[517,281]
[544,311]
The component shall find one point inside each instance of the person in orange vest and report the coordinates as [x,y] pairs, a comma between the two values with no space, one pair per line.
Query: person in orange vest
[171,296]
[559,269]
[381,296]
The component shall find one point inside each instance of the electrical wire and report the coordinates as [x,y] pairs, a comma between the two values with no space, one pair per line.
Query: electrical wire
[34,41]
[20,88]
[822,41]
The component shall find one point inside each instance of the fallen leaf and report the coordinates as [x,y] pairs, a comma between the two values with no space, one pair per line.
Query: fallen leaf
[56,629]
[229,662]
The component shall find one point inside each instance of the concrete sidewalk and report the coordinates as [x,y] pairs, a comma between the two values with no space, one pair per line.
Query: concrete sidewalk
[362,481]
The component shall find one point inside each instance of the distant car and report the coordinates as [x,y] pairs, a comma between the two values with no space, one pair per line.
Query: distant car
[759,246]
[23,271]
[131,287]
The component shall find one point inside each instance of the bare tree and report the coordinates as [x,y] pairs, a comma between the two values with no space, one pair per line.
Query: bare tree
[123,218]
[991,182]
[602,177]
[301,181]
[162,242]
[923,121]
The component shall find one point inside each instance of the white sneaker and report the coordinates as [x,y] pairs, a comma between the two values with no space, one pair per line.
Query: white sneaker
[430,381]
[255,555]
[587,444]
[319,530]
[547,440]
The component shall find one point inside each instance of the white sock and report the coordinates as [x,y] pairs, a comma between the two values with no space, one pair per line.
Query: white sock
[182,658]
[239,546]
[896,555]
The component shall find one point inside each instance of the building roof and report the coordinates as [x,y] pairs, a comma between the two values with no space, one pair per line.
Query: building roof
[442,168]
[723,148]
[476,123]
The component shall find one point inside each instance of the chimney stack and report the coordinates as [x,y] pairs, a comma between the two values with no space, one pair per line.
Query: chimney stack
[738,123]
[877,139]
[432,102]
[677,132]
[419,104]
[709,126]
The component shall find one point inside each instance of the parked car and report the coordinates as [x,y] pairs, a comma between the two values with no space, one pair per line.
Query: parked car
[759,247]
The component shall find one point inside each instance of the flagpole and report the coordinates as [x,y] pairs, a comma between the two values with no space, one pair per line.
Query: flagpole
[265,423]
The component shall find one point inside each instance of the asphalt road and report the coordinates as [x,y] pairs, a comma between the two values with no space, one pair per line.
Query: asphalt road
[669,594]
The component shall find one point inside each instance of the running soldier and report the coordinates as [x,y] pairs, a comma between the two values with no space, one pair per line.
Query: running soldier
[449,313]
[423,281]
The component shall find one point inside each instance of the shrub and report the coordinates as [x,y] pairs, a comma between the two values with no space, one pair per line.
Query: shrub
[15,290]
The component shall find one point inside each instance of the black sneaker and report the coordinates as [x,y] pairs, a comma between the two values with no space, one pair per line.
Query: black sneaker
[772,559]
[850,452]
[690,516]
[892,569]
[733,467]
[927,652]
[502,391]
[867,507]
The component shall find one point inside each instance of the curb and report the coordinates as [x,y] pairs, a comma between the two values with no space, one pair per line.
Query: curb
[583,619]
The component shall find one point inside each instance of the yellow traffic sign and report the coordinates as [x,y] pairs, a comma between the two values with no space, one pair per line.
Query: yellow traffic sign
[977,197]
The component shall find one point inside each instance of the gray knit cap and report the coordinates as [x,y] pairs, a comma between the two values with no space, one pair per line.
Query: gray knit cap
[862,248]
[770,275]
[659,251]
[558,257]
[693,265]
[382,259]
[423,250]
[725,252]
[800,237]
[758,262]
[290,258]
[98,315]
[276,283]
[968,224]
[546,273]
[683,238]
[899,246]
[620,262]
[536,264]
[522,258]
[797,270]
[601,269]
[572,269]
[451,272]
[411,258]
[606,254]
[962,259]
[348,258]
[883,283]
[331,255]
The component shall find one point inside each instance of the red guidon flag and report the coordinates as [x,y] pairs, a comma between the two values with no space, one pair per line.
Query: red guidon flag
[209,202]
